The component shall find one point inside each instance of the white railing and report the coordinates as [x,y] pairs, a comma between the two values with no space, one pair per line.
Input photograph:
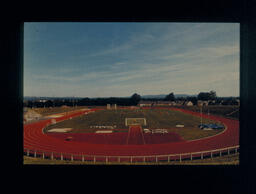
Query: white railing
[118,159]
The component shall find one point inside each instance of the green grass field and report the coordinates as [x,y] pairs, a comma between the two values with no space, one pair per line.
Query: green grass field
[228,111]
[55,110]
[155,118]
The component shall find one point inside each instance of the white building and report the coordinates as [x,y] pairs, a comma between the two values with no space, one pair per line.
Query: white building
[189,103]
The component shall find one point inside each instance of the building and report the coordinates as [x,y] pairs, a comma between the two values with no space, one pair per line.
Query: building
[212,102]
[42,100]
[173,103]
[157,103]
[179,103]
[163,103]
[188,103]
[146,103]
[202,103]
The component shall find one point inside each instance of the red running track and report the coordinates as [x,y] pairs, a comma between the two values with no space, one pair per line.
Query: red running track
[35,139]
[120,138]
[135,136]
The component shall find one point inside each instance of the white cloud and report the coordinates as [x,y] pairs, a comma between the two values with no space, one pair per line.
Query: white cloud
[158,60]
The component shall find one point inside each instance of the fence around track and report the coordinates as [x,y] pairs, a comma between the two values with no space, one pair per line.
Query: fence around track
[153,158]
[43,153]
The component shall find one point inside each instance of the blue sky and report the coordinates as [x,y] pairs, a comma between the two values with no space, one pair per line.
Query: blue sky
[118,59]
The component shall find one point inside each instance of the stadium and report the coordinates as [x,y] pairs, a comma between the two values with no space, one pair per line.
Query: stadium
[133,92]
[130,135]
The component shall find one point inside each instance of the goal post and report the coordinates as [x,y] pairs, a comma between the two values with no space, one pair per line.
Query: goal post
[135,121]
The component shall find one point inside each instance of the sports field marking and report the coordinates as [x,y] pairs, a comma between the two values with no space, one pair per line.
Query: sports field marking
[60,130]
[135,121]
[106,131]
[54,116]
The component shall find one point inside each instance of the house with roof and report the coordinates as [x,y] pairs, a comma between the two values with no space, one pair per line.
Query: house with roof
[153,103]
[188,103]
[179,103]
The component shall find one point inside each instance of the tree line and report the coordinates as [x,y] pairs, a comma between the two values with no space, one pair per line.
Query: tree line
[129,101]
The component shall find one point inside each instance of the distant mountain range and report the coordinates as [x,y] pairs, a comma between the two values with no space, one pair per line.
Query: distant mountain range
[161,96]
[156,96]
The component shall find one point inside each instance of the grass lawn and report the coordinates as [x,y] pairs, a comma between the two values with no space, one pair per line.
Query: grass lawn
[229,111]
[155,118]
[55,110]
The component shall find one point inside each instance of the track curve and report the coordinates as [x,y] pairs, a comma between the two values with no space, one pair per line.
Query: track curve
[35,139]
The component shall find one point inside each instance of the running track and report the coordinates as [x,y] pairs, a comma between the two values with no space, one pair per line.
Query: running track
[36,140]
[135,136]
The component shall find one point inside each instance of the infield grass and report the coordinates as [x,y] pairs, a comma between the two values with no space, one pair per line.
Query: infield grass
[56,110]
[155,118]
[228,111]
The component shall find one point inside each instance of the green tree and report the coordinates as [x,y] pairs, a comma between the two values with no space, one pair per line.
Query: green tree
[169,97]
[207,95]
[135,98]
[213,95]
[203,96]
